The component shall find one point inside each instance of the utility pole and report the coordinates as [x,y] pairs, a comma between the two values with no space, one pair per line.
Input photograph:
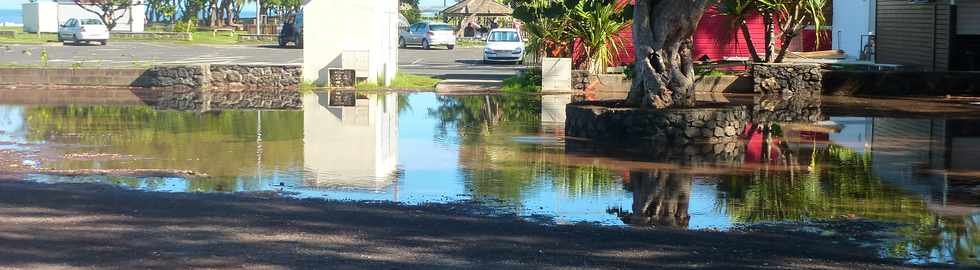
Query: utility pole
[258,17]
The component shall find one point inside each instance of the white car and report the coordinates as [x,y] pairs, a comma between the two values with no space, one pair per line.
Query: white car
[504,45]
[83,30]
[427,35]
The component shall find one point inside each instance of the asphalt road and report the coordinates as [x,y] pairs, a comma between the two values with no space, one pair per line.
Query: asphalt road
[129,54]
[458,64]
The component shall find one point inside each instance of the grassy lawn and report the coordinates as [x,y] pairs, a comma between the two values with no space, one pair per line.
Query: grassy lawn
[403,82]
[27,38]
[199,37]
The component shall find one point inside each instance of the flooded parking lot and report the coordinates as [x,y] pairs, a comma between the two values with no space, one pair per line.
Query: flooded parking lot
[509,152]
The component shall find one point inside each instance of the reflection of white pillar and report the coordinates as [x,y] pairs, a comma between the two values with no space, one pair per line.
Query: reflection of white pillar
[369,28]
[351,147]
[258,17]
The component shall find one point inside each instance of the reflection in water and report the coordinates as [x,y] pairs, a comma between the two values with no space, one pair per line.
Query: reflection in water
[509,151]
[223,145]
[351,146]
[660,198]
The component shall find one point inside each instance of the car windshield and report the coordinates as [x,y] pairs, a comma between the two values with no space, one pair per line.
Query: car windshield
[440,27]
[504,36]
[91,22]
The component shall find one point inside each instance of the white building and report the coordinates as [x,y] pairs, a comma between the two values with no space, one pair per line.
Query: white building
[360,35]
[46,15]
[854,21]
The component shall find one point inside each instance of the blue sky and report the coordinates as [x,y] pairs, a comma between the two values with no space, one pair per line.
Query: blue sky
[15,4]
[11,4]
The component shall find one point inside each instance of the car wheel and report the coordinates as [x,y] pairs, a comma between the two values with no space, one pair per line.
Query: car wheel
[401,43]
[282,42]
[299,42]
[450,47]
[76,40]
[425,44]
[104,42]
[61,39]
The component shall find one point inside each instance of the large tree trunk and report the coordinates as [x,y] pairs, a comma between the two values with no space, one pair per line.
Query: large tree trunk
[664,70]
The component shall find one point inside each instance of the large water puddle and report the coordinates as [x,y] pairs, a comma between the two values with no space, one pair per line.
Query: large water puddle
[509,152]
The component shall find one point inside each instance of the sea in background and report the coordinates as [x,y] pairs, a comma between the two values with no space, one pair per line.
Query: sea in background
[10,16]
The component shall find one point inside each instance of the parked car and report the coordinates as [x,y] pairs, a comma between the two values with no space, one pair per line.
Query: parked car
[428,34]
[292,32]
[83,30]
[504,45]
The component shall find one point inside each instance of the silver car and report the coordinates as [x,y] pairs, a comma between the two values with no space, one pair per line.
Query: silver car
[428,34]
[83,30]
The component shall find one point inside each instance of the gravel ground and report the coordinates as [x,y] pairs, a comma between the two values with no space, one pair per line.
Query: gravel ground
[83,226]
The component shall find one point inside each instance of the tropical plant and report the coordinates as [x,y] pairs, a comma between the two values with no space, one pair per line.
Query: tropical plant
[597,23]
[554,26]
[784,20]
[547,24]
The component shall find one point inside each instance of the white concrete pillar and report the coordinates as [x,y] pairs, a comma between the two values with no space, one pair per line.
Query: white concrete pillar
[362,29]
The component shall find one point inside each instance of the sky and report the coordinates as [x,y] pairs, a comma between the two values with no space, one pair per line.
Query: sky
[15,4]
[11,4]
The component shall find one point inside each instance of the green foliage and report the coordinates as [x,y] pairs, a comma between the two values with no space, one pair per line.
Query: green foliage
[402,81]
[554,25]
[44,57]
[527,82]
[26,38]
[173,140]
[188,25]
[597,24]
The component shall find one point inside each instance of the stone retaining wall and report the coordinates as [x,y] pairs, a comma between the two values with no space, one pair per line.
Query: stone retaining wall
[787,109]
[196,87]
[190,99]
[690,154]
[255,76]
[153,35]
[619,83]
[787,79]
[580,80]
[603,121]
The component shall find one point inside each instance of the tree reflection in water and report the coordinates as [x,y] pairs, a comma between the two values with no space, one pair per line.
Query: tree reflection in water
[660,198]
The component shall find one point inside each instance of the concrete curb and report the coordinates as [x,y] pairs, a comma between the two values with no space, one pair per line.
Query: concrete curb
[468,86]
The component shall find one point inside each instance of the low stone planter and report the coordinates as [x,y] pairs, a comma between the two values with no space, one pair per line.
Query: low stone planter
[8,34]
[787,78]
[180,36]
[556,74]
[724,84]
[258,37]
[605,120]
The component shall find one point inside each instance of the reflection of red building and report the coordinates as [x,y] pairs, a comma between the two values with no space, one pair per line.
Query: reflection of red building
[716,39]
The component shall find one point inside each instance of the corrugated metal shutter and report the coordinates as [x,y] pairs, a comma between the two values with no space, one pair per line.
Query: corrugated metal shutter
[968,17]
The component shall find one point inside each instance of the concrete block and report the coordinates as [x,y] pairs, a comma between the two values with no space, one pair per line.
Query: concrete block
[556,74]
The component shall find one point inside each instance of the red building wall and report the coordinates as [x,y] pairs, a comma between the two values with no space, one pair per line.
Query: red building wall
[716,39]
